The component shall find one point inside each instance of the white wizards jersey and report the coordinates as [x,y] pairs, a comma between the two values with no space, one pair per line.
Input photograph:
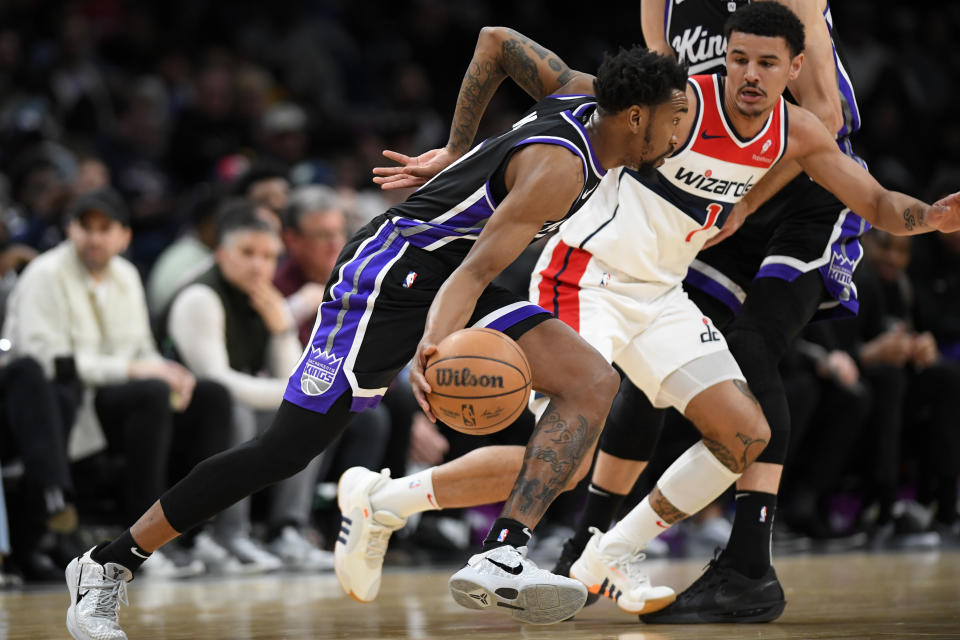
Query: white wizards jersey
[649,229]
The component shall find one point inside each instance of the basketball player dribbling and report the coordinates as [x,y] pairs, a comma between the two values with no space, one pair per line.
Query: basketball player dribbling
[456,234]
[615,269]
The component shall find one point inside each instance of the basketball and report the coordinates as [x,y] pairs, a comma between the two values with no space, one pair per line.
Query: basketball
[480,381]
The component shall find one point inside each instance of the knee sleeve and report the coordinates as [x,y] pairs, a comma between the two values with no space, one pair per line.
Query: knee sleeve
[633,426]
[695,479]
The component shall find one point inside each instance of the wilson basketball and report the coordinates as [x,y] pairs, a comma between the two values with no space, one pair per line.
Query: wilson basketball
[480,381]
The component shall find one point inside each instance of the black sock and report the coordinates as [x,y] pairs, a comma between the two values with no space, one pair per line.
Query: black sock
[748,550]
[123,550]
[598,511]
[507,532]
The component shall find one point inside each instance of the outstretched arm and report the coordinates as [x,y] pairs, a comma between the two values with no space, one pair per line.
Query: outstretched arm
[896,213]
[500,52]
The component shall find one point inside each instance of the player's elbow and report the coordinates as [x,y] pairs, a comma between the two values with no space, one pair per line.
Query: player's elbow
[492,38]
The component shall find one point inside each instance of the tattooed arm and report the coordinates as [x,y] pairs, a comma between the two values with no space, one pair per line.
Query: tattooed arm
[500,52]
[812,146]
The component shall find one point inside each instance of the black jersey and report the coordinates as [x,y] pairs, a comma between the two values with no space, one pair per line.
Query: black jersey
[451,209]
[694,30]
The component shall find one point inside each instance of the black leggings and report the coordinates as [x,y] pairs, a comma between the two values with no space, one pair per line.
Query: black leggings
[772,315]
[296,436]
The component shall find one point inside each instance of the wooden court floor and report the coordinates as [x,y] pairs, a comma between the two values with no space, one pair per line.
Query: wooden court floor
[837,596]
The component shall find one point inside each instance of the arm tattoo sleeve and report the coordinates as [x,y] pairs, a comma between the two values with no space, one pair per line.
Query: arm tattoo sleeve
[479,84]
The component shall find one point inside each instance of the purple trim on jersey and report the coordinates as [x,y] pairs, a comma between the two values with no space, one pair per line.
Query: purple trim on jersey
[713,288]
[473,215]
[559,142]
[845,87]
[593,154]
[570,95]
[365,267]
[516,316]
[431,234]
[490,199]
[778,270]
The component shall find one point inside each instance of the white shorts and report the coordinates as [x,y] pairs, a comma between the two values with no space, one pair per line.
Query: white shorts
[648,329]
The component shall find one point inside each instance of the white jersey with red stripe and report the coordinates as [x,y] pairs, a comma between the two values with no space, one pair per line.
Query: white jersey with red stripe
[652,227]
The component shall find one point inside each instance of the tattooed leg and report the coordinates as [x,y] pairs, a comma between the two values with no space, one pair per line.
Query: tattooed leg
[560,443]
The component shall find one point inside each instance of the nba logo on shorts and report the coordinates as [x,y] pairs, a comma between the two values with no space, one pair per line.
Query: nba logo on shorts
[763,514]
[503,535]
[319,372]
[604,279]
[408,281]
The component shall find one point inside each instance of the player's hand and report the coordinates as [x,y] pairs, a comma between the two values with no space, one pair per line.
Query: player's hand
[944,215]
[418,381]
[733,222]
[414,172]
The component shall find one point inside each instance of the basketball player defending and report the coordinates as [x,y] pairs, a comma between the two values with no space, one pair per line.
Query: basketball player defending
[614,272]
[453,235]
[791,261]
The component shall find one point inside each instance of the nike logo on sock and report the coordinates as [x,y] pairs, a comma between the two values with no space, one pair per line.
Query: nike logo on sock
[134,551]
[516,570]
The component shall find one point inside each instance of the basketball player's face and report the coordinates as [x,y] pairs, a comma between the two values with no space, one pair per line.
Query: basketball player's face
[97,238]
[248,257]
[659,137]
[758,69]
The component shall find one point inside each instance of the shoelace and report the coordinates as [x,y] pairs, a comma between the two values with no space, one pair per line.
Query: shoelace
[114,594]
[630,565]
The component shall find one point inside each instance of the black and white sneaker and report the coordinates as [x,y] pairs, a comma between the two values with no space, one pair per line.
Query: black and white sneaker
[503,578]
[723,594]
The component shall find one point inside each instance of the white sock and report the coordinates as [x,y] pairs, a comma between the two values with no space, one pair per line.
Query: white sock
[634,531]
[408,495]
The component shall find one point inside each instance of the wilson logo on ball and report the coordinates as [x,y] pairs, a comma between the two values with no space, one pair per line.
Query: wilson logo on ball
[449,377]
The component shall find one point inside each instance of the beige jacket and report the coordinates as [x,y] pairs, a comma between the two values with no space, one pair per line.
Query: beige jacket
[56,309]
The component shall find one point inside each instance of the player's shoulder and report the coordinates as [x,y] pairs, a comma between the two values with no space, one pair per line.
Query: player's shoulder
[805,131]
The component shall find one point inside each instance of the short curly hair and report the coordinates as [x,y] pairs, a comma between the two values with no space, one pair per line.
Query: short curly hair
[637,76]
[768,19]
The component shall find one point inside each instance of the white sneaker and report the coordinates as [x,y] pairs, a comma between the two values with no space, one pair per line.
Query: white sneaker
[364,533]
[619,578]
[171,563]
[218,560]
[96,593]
[254,558]
[298,552]
[504,577]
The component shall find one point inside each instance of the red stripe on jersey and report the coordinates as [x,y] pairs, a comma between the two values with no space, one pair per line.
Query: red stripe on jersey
[559,288]
[714,140]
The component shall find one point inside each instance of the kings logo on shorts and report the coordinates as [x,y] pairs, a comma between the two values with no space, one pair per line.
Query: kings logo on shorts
[319,372]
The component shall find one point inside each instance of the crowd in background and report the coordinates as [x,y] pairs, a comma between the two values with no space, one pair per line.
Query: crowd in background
[224,151]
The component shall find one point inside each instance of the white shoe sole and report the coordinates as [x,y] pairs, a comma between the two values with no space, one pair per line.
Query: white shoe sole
[533,603]
[599,586]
